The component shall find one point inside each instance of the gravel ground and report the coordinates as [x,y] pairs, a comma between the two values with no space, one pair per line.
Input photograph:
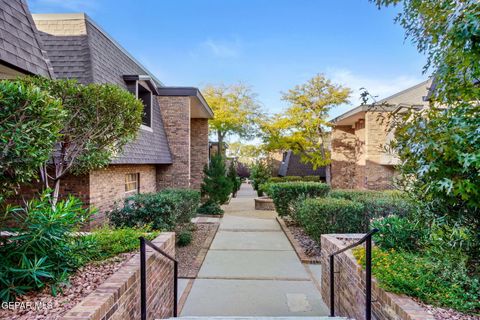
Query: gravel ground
[444,314]
[187,255]
[310,247]
[84,281]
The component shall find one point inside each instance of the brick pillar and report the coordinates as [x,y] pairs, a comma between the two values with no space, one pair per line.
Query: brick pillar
[176,121]
[344,162]
[198,151]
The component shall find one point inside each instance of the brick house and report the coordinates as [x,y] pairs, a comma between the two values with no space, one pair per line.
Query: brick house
[359,137]
[292,165]
[171,148]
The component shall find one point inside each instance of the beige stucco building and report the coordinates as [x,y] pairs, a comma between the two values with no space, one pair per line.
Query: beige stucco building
[360,159]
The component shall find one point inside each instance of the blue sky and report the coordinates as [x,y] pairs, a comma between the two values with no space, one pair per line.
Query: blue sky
[270,45]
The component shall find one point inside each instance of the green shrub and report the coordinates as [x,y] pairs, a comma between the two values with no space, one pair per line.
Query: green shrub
[398,233]
[294,178]
[163,210]
[285,194]
[216,185]
[329,215]
[378,203]
[184,238]
[42,251]
[210,208]
[444,282]
[234,178]
[106,242]
[260,172]
[311,178]
[30,121]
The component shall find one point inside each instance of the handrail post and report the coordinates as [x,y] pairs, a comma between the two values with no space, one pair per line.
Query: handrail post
[175,288]
[143,280]
[368,278]
[332,288]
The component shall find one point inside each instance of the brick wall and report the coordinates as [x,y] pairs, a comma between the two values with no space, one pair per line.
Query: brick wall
[346,170]
[107,185]
[119,296]
[350,287]
[358,153]
[198,151]
[176,120]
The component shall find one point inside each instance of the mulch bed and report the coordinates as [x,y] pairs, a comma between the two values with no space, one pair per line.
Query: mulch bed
[444,314]
[82,283]
[190,257]
[309,246]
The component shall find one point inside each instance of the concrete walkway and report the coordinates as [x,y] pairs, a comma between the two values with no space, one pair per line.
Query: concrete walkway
[252,270]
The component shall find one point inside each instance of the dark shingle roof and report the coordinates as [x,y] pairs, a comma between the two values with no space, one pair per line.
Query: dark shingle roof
[20,47]
[79,49]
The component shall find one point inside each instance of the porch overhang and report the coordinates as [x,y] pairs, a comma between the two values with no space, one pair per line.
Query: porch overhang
[199,106]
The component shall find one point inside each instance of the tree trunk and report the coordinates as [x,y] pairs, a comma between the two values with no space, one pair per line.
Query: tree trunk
[56,192]
[220,144]
[328,175]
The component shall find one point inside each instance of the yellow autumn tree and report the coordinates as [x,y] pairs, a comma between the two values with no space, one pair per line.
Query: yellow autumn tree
[303,127]
[236,109]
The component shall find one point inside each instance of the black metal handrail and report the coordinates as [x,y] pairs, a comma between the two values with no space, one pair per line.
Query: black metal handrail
[368,273]
[143,276]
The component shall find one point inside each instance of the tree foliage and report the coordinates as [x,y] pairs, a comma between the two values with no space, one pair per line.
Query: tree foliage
[100,119]
[245,153]
[303,127]
[236,111]
[30,121]
[439,147]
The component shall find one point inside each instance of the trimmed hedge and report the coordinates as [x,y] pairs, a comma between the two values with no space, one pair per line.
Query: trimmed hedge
[285,194]
[294,178]
[377,203]
[162,211]
[329,215]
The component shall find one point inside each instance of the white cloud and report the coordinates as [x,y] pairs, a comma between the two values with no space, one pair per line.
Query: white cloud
[379,86]
[223,49]
[41,6]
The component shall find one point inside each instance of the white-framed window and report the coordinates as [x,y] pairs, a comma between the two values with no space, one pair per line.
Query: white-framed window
[145,95]
[132,183]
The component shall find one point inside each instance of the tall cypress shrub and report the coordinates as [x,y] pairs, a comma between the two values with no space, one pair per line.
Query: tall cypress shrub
[216,185]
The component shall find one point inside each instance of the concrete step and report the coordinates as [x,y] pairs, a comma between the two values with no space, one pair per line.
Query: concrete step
[262,318]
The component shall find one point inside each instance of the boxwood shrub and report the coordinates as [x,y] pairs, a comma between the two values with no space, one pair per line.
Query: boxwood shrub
[294,178]
[330,215]
[378,203]
[285,194]
[162,211]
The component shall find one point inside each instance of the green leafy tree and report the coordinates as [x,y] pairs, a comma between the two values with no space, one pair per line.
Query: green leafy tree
[236,111]
[439,147]
[100,119]
[244,153]
[30,121]
[303,127]
[260,172]
[216,185]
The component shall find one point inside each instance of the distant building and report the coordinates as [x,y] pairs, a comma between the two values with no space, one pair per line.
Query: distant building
[359,137]
[292,165]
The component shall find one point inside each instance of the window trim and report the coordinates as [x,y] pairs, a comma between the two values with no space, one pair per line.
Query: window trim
[142,125]
[137,182]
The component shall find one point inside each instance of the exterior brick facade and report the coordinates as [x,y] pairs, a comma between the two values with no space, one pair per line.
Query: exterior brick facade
[198,151]
[350,287]
[119,296]
[176,118]
[107,186]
